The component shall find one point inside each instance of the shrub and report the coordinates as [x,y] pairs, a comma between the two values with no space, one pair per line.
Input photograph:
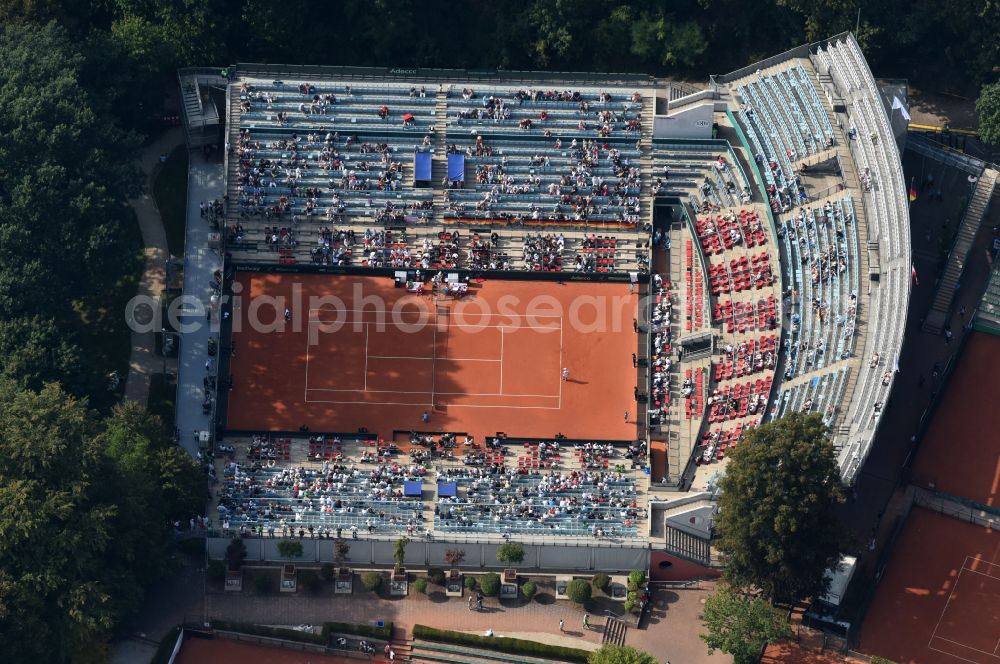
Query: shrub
[384,633]
[341,550]
[510,552]
[371,581]
[636,578]
[602,581]
[881,660]
[262,583]
[578,591]
[436,576]
[490,584]
[529,589]
[631,601]
[501,644]
[309,580]
[470,582]
[327,571]
[216,571]
[421,586]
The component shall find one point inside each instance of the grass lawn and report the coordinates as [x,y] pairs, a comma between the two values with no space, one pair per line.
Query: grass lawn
[170,194]
[162,395]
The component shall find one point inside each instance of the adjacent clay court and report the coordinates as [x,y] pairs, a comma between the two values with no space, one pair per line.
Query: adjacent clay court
[359,352]
[960,453]
[223,651]
[939,600]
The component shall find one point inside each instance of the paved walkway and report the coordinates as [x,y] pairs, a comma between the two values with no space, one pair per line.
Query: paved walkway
[200,262]
[143,360]
[671,635]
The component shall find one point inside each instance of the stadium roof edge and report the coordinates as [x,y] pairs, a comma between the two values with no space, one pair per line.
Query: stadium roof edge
[421,73]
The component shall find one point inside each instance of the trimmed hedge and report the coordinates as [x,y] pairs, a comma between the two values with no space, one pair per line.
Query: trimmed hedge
[436,575]
[383,633]
[420,585]
[270,632]
[501,644]
[529,590]
[602,581]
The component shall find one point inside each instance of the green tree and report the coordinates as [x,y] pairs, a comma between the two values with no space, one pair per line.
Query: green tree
[65,170]
[988,109]
[510,553]
[372,581]
[290,549]
[34,351]
[612,654]
[399,551]
[741,625]
[777,527]
[529,590]
[341,551]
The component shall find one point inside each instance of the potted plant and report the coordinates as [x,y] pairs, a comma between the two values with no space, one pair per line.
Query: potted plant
[453,584]
[344,582]
[511,553]
[289,579]
[236,553]
[397,585]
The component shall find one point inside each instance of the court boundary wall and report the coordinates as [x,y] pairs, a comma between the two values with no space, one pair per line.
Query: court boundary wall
[586,555]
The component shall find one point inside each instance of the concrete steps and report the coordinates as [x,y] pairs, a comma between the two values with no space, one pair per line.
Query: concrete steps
[614,632]
[967,230]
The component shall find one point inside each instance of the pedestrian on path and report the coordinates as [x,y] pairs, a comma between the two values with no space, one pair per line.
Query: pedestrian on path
[387,649]
[586,621]
[562,624]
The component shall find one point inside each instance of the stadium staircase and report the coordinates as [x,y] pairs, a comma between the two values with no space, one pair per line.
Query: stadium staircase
[614,632]
[957,258]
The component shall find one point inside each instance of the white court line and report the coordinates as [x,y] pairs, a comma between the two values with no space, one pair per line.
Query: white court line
[988,576]
[501,360]
[945,652]
[950,595]
[447,405]
[559,368]
[447,313]
[409,357]
[962,645]
[388,325]
[305,385]
[452,394]
[366,358]
[980,561]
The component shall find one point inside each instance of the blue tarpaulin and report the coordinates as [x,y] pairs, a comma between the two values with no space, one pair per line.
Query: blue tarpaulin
[447,489]
[412,488]
[422,166]
[456,167]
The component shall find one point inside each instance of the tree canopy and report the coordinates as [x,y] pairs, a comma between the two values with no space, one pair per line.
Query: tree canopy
[83,529]
[988,109]
[612,654]
[776,526]
[741,625]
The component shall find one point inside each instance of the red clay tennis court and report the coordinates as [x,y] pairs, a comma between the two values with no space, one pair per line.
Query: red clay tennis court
[224,651]
[359,352]
[960,451]
[939,600]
